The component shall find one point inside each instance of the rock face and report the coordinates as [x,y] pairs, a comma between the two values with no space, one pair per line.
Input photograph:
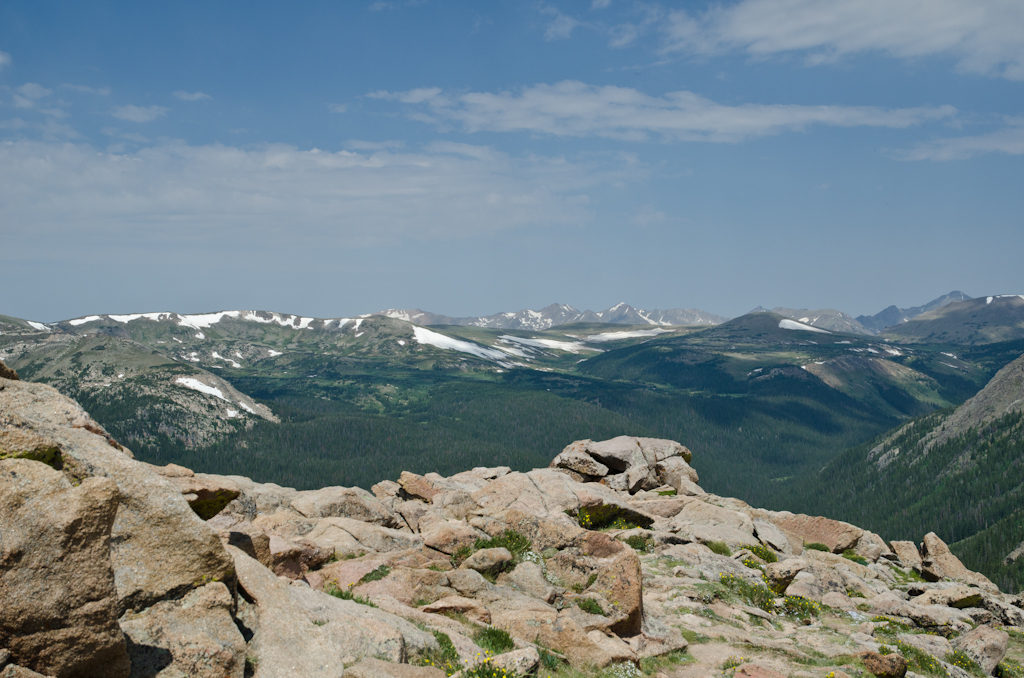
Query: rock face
[57,594]
[105,560]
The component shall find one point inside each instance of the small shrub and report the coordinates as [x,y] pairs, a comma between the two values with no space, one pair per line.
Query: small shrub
[854,593]
[376,575]
[817,546]
[516,543]
[445,657]
[755,595]
[548,660]
[1008,668]
[494,639]
[461,554]
[801,607]
[850,555]
[719,547]
[918,660]
[591,579]
[764,553]
[640,542]
[606,517]
[590,605]
[961,659]
[753,564]
[486,669]
[732,662]
[693,637]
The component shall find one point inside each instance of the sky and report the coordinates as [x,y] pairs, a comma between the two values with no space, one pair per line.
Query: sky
[336,158]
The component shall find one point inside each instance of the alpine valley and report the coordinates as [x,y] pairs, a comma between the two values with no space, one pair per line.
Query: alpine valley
[804,410]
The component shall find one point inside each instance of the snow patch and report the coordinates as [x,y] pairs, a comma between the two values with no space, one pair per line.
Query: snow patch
[567,346]
[90,318]
[401,342]
[246,407]
[359,321]
[274,353]
[613,336]
[788,324]
[39,326]
[988,300]
[196,385]
[135,316]
[232,413]
[200,335]
[425,336]
[220,357]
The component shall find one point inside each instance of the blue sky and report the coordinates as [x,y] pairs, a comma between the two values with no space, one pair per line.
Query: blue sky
[330,158]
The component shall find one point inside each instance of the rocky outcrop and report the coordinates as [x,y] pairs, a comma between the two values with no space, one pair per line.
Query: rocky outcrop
[57,594]
[7,373]
[607,557]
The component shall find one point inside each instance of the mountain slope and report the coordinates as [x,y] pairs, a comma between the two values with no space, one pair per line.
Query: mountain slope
[960,469]
[896,316]
[975,321]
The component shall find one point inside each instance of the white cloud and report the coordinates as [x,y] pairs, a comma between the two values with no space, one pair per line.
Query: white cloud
[561,26]
[360,145]
[139,113]
[600,4]
[279,195]
[1009,140]
[984,36]
[5,60]
[573,108]
[190,96]
[379,6]
[337,108]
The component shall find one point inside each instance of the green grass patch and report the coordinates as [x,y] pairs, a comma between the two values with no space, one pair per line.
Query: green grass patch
[516,543]
[962,660]
[376,575]
[1009,668]
[755,595]
[719,547]
[605,517]
[346,594]
[817,546]
[590,606]
[640,542]
[665,662]
[494,640]
[850,555]
[445,657]
[917,660]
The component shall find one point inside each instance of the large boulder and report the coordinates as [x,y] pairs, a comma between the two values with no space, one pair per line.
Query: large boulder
[836,535]
[985,645]
[57,596]
[7,373]
[206,494]
[344,502]
[195,636]
[350,537]
[908,554]
[159,547]
[938,562]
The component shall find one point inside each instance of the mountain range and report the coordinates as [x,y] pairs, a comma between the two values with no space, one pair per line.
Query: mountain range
[561,314]
[770,399]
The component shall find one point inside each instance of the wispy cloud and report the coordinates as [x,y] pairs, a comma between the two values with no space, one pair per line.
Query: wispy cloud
[5,60]
[984,36]
[337,108]
[577,109]
[139,113]
[330,198]
[191,96]
[101,91]
[1009,140]
[380,6]
[561,25]
[27,95]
